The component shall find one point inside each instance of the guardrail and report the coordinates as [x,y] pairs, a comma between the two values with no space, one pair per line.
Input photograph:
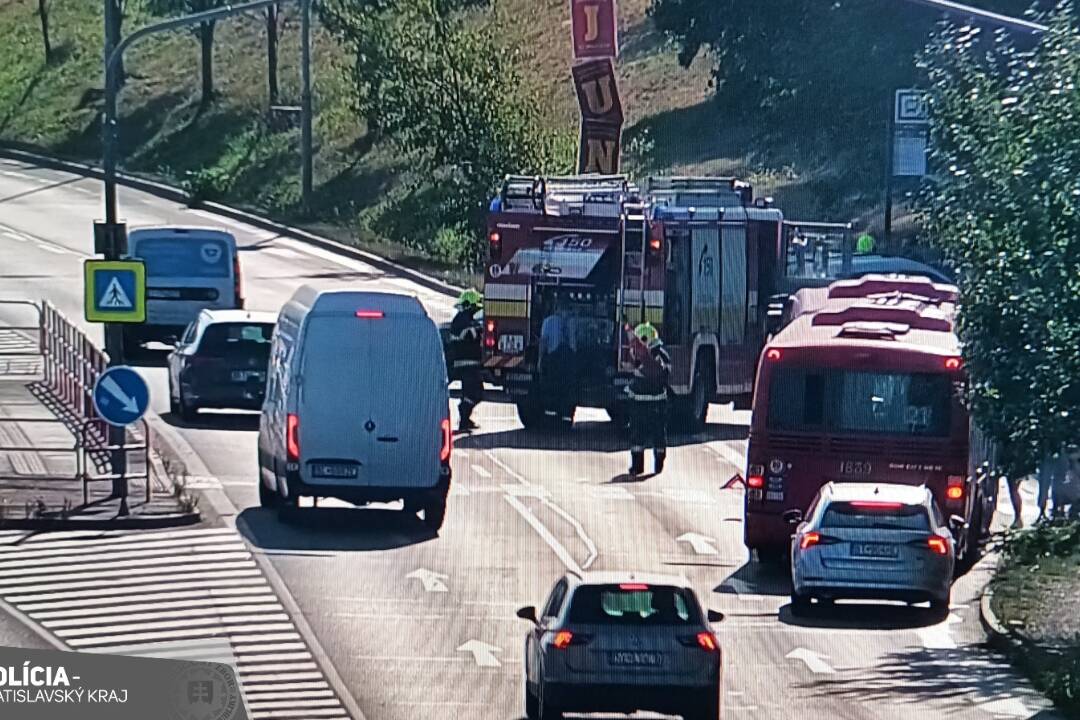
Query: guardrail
[72,362]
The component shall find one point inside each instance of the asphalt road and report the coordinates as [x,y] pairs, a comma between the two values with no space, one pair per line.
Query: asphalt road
[423,627]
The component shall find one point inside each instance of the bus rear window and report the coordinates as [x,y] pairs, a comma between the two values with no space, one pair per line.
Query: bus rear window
[181,257]
[904,517]
[855,402]
[651,605]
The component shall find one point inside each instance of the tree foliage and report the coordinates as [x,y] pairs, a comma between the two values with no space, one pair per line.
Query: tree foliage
[433,77]
[204,31]
[1007,213]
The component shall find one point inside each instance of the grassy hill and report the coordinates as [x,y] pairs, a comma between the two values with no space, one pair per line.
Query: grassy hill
[230,150]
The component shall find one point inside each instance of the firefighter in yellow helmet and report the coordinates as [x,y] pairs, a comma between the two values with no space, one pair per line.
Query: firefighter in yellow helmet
[465,335]
[648,399]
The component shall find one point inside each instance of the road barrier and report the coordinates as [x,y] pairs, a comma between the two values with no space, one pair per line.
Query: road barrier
[72,362]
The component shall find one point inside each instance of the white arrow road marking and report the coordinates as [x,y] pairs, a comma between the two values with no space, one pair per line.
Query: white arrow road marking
[815,662]
[938,637]
[483,653]
[432,581]
[116,391]
[1006,707]
[702,544]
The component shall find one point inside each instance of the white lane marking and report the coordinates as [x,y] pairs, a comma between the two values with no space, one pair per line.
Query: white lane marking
[432,581]
[282,252]
[50,248]
[938,637]
[557,547]
[612,492]
[481,471]
[702,544]
[13,236]
[1006,707]
[593,552]
[482,652]
[815,662]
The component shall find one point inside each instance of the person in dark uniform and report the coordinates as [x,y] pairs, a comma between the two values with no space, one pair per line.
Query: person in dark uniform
[648,399]
[465,334]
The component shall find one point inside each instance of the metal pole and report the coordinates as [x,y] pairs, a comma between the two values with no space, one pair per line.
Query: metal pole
[889,140]
[991,18]
[305,104]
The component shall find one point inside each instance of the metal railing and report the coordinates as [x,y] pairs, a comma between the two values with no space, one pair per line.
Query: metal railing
[72,362]
[92,439]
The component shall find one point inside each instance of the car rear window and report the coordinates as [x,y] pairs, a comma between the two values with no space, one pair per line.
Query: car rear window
[869,515]
[232,339]
[615,605]
[184,257]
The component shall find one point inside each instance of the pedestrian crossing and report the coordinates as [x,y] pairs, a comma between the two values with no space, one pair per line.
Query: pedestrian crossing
[183,594]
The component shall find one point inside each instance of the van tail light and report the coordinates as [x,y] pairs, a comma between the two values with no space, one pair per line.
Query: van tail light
[447,440]
[814,538]
[292,438]
[954,489]
[238,283]
[489,334]
[564,639]
[755,481]
[938,544]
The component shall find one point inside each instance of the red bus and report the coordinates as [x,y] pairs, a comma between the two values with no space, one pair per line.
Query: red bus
[864,383]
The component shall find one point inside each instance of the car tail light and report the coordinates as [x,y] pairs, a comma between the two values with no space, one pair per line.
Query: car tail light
[238,283]
[292,438]
[495,244]
[706,641]
[938,544]
[755,481]
[633,586]
[447,440]
[954,488]
[489,334]
[773,354]
[564,639]
[369,314]
[875,505]
[814,538]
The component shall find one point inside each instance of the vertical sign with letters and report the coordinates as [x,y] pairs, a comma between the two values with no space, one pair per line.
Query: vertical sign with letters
[601,117]
[594,27]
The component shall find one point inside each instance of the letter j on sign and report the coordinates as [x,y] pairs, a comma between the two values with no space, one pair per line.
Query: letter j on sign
[595,28]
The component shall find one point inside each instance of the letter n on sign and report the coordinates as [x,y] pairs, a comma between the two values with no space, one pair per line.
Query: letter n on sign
[595,28]
[598,151]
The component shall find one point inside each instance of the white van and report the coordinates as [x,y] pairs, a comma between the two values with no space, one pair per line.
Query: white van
[357,406]
[188,270]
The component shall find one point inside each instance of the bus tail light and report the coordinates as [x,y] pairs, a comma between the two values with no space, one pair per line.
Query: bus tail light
[238,283]
[292,438]
[755,481]
[939,545]
[489,334]
[954,489]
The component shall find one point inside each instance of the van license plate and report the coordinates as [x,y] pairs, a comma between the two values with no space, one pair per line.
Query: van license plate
[875,550]
[335,470]
[635,658]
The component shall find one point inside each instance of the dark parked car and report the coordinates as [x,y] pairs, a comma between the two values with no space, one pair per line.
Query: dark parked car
[221,362]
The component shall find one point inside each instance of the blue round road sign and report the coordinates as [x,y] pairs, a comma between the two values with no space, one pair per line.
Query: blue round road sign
[121,396]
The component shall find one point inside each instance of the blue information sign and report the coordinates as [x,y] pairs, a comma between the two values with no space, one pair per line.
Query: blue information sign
[121,396]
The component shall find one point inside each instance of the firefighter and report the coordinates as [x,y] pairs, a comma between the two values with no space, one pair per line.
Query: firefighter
[465,334]
[648,399]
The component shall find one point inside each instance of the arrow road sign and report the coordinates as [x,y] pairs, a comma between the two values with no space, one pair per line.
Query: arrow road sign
[815,662]
[702,544]
[115,291]
[483,653]
[121,396]
[432,581]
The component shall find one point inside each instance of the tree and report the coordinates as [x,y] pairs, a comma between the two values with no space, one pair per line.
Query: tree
[1007,214]
[205,32]
[273,16]
[43,15]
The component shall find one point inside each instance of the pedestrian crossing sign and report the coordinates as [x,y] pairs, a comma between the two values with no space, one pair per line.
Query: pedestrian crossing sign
[115,291]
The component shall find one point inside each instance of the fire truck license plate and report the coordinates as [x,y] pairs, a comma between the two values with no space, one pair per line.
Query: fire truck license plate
[512,344]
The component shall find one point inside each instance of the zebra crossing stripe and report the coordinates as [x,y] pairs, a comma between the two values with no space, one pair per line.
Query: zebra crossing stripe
[187,594]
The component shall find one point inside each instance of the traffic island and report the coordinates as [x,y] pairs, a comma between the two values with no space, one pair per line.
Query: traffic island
[1029,609]
[48,483]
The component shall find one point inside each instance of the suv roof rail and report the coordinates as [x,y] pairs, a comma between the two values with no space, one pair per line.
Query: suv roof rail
[913,315]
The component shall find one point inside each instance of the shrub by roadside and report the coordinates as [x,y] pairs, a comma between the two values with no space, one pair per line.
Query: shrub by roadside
[1035,591]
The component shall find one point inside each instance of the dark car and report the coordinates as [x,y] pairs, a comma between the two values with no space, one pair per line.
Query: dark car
[221,362]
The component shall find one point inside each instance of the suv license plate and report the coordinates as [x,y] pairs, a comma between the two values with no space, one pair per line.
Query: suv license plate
[634,658]
[875,550]
[334,470]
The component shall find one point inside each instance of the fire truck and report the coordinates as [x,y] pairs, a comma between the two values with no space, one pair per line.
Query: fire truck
[574,261]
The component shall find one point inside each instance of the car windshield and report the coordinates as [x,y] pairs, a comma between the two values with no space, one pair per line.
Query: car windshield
[859,402]
[233,339]
[633,605]
[876,516]
[184,257]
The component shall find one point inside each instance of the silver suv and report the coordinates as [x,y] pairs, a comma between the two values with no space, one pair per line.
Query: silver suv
[622,642]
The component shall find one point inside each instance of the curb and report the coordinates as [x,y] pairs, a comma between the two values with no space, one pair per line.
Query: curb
[131,522]
[168,192]
[998,636]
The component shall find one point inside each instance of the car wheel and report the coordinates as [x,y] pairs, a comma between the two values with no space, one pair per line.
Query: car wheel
[435,513]
[174,404]
[188,413]
[532,704]
[287,505]
[531,414]
[267,498]
[800,604]
[939,607]
[707,706]
[549,710]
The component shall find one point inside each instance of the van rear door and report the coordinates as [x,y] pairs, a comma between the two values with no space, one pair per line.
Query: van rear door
[187,270]
[372,395]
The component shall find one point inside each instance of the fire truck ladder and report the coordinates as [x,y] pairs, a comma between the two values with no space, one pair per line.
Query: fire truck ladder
[566,195]
[635,237]
[665,189]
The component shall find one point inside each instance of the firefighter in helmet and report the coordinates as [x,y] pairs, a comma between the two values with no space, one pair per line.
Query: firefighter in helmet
[648,399]
[465,334]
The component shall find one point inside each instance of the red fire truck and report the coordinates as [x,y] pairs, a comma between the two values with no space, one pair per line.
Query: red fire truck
[573,260]
[865,382]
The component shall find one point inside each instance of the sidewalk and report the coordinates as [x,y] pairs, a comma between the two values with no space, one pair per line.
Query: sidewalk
[39,483]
